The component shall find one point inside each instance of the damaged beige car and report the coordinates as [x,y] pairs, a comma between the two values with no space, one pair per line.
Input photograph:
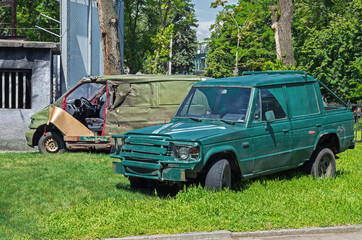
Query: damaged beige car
[88,114]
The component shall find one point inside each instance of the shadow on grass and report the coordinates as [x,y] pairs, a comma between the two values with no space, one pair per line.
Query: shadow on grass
[286,175]
[161,190]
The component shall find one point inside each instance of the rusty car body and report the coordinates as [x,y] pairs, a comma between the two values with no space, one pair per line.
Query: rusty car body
[88,114]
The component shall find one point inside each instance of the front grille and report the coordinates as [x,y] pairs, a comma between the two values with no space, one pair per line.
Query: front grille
[146,149]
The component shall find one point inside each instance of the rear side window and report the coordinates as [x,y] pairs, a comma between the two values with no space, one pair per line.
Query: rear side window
[302,100]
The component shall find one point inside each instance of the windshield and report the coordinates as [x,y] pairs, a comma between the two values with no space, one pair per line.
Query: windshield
[89,91]
[221,103]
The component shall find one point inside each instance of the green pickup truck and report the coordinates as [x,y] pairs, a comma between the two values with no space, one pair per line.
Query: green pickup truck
[241,127]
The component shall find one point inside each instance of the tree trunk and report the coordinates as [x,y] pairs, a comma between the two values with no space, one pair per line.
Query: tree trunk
[282,27]
[108,22]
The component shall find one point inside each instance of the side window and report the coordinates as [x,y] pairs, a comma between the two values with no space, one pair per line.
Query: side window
[297,99]
[302,100]
[330,100]
[272,99]
[312,99]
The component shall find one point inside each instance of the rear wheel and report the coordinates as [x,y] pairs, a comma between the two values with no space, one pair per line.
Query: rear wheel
[322,163]
[51,142]
[219,176]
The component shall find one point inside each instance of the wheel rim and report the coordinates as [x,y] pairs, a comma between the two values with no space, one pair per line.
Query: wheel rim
[324,167]
[51,145]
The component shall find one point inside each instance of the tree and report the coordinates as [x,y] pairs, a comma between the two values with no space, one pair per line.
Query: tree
[282,27]
[243,30]
[219,64]
[184,39]
[149,27]
[175,17]
[28,14]
[108,22]
[333,52]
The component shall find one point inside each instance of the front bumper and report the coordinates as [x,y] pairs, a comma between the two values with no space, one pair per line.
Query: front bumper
[29,135]
[149,171]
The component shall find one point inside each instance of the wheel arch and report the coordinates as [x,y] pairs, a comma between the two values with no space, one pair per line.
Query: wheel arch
[329,140]
[230,154]
[41,130]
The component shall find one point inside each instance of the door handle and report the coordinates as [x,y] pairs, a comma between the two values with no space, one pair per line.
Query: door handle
[318,125]
[245,144]
[285,130]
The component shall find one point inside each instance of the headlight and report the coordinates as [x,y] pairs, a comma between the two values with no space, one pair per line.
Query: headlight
[186,152]
[183,152]
[31,121]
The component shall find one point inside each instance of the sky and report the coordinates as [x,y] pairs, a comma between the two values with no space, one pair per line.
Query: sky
[206,16]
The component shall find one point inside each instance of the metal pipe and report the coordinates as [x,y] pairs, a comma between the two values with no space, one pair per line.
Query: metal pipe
[47,31]
[41,14]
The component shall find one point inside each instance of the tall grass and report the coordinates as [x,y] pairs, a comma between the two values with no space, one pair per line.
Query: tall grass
[75,195]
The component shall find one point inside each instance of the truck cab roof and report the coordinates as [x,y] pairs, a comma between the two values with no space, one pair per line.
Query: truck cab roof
[259,79]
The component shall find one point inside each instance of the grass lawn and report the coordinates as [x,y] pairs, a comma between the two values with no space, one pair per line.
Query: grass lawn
[76,196]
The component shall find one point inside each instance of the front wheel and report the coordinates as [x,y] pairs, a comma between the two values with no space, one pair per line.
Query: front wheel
[51,142]
[323,163]
[219,176]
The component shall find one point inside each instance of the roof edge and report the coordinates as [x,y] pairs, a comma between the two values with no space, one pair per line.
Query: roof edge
[273,72]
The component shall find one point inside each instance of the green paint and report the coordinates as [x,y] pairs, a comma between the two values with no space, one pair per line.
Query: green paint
[226,118]
[133,102]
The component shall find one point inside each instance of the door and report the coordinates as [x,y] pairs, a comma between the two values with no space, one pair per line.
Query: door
[272,139]
[306,119]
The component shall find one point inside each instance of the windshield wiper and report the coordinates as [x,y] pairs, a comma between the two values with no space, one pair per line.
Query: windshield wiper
[228,122]
[195,119]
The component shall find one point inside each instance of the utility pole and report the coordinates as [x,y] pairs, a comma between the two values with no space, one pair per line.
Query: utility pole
[170,61]
[12,5]
[13,18]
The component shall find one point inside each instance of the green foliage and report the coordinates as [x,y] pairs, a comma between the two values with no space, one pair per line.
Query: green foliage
[76,196]
[327,40]
[277,65]
[331,50]
[248,21]
[219,64]
[28,13]
[184,40]
[149,27]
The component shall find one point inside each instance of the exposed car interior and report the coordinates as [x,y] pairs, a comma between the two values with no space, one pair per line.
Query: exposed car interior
[87,104]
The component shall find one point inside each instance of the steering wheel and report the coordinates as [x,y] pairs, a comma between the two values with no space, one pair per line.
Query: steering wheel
[86,103]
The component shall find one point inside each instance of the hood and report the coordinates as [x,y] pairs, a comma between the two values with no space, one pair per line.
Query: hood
[186,131]
[41,117]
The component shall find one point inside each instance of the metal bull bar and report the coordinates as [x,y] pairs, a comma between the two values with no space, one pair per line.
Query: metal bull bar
[357,114]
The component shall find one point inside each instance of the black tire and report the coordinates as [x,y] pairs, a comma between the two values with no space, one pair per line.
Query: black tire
[219,176]
[322,163]
[51,142]
[138,182]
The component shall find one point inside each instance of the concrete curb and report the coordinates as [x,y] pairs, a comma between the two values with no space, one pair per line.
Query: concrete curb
[288,232]
[227,235]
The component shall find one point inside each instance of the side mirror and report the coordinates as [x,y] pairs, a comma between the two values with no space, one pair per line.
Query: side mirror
[270,117]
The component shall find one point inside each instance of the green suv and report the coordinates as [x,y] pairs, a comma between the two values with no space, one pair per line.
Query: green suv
[241,127]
